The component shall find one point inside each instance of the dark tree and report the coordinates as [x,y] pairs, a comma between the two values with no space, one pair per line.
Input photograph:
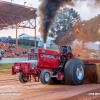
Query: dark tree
[63,25]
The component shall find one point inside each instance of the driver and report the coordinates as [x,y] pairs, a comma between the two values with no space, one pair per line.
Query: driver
[66,55]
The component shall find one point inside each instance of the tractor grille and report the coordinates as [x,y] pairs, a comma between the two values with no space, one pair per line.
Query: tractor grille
[33,57]
[32,50]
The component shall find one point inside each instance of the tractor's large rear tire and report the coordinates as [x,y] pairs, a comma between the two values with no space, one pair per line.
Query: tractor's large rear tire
[74,72]
[22,79]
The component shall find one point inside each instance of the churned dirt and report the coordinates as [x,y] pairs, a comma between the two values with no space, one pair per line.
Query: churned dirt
[11,88]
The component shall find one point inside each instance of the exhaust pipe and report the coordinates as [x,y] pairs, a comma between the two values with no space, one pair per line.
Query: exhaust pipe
[44,45]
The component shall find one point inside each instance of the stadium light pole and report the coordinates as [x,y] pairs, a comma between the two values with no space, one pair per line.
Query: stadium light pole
[36,12]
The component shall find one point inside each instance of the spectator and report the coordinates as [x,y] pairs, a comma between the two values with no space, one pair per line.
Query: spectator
[2,52]
[17,54]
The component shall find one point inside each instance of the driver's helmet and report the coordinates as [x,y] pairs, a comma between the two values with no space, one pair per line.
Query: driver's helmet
[64,49]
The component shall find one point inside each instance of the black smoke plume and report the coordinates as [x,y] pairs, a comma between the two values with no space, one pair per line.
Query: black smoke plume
[48,10]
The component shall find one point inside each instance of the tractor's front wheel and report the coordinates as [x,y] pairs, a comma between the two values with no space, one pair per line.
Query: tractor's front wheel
[45,77]
[74,72]
[23,78]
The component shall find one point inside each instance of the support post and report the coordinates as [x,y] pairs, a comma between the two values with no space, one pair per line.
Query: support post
[35,33]
[16,35]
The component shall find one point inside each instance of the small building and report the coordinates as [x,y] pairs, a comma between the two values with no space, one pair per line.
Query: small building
[40,43]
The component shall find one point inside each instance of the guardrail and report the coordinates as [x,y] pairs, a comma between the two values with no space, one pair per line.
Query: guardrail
[12,60]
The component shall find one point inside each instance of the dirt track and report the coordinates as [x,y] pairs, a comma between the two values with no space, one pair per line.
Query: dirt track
[11,88]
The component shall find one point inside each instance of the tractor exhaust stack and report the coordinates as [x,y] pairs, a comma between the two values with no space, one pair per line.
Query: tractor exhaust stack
[44,45]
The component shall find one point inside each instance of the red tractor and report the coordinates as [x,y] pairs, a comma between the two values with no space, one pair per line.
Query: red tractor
[51,67]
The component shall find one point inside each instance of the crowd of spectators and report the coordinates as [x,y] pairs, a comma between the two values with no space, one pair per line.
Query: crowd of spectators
[10,50]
